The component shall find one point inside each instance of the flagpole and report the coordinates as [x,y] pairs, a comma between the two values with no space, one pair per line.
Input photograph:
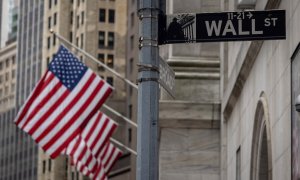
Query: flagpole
[148,91]
[120,115]
[105,66]
[94,59]
[122,145]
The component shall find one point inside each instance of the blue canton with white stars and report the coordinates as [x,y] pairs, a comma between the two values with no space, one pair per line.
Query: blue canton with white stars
[67,68]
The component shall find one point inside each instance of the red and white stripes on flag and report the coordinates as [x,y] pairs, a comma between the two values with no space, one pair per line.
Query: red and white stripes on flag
[63,101]
[91,152]
[97,132]
[96,168]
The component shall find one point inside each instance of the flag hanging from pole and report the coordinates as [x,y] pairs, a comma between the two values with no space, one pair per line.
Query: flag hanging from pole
[67,96]
[85,162]
[90,152]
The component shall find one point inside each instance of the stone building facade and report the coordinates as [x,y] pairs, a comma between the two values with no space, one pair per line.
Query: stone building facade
[8,77]
[258,101]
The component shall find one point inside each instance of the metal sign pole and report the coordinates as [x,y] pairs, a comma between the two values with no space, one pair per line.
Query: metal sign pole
[148,91]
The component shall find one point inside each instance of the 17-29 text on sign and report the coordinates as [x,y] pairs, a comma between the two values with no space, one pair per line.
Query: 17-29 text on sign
[247,25]
[225,26]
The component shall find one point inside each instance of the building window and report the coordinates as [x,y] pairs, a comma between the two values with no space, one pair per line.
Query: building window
[101,59]
[111,39]
[13,60]
[130,111]
[49,165]
[110,60]
[78,2]
[50,3]
[111,16]
[7,62]
[101,15]
[71,36]
[110,80]
[49,22]
[77,175]
[6,76]
[71,17]
[131,65]
[54,19]
[54,40]
[77,41]
[1,65]
[48,42]
[131,42]
[81,40]
[44,166]
[129,135]
[13,73]
[132,19]
[238,164]
[1,79]
[101,40]
[55,2]
[6,92]
[82,17]
[77,22]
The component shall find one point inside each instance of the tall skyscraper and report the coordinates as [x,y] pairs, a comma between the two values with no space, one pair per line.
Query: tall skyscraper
[29,58]
[8,21]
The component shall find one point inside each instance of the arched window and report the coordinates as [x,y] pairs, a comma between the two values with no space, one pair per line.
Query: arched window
[261,152]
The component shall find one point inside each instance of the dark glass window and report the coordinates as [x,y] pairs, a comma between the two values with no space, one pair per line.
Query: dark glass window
[82,17]
[49,22]
[54,19]
[101,15]
[110,80]
[71,17]
[49,165]
[131,42]
[71,36]
[44,167]
[54,40]
[77,22]
[111,16]
[111,39]
[81,40]
[48,42]
[101,40]
[50,3]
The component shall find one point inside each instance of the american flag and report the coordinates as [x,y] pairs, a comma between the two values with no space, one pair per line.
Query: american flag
[91,153]
[66,97]
[85,162]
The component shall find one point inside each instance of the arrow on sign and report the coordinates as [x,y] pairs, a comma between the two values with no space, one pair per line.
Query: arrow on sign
[249,15]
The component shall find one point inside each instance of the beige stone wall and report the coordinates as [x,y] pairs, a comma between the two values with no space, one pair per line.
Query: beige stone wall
[271,74]
[7,77]
[190,123]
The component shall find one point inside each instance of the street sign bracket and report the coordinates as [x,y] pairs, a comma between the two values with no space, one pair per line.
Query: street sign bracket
[139,80]
[147,67]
